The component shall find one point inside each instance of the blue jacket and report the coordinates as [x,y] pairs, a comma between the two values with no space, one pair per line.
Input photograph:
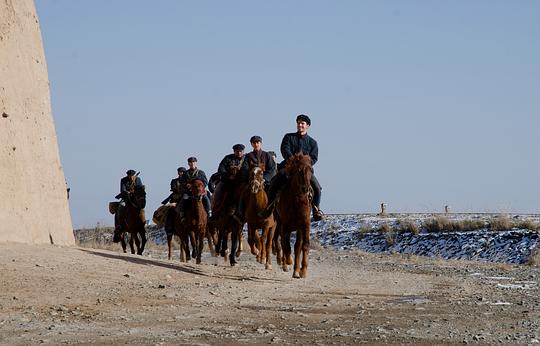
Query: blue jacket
[293,142]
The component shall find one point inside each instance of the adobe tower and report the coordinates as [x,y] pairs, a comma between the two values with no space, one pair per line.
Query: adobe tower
[33,201]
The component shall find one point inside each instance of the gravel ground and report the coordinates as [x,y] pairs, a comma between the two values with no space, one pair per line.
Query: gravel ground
[58,295]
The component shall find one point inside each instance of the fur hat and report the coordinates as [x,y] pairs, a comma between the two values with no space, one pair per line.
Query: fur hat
[192,159]
[130,173]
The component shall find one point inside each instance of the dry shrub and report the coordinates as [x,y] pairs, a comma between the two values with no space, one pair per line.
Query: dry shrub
[527,224]
[407,226]
[384,228]
[366,228]
[534,257]
[437,224]
[443,224]
[501,223]
[390,238]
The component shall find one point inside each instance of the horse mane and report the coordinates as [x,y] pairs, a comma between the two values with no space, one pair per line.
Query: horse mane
[297,162]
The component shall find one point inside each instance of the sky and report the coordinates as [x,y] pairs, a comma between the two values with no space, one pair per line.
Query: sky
[417,104]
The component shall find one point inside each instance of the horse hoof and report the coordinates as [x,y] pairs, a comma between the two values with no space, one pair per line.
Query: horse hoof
[303,274]
[233,264]
[285,268]
[268,267]
[198,261]
[296,275]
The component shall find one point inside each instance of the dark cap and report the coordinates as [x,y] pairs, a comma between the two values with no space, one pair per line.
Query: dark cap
[130,172]
[238,147]
[181,169]
[255,139]
[303,117]
[192,159]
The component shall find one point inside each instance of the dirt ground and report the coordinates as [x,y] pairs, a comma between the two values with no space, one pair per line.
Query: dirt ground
[70,295]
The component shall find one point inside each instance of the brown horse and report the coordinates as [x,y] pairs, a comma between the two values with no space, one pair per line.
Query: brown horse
[256,200]
[294,208]
[132,221]
[196,218]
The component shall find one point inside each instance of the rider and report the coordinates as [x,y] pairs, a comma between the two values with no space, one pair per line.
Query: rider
[193,173]
[253,158]
[291,144]
[274,157]
[230,172]
[127,187]
[177,188]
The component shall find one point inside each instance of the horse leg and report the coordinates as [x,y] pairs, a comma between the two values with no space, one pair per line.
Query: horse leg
[251,240]
[142,233]
[305,253]
[260,241]
[200,246]
[182,250]
[211,242]
[135,237]
[234,244]
[169,244]
[268,240]
[131,243]
[286,246]
[123,242]
[240,241]
[193,240]
[297,253]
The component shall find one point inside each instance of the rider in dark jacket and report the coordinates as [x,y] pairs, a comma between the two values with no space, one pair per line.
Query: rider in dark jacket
[255,157]
[177,187]
[193,173]
[231,174]
[128,184]
[291,144]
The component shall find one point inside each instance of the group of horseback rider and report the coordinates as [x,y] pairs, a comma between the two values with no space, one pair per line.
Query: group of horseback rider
[233,170]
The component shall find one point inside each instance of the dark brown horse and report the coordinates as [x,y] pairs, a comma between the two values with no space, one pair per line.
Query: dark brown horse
[256,200]
[132,221]
[294,208]
[226,198]
[196,218]
[173,227]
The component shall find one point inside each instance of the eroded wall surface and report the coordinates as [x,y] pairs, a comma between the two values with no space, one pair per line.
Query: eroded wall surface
[33,201]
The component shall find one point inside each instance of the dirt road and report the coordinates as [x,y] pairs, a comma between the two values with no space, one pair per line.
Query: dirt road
[56,295]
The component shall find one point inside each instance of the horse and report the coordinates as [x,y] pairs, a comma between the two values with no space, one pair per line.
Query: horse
[225,199]
[256,200]
[293,208]
[196,219]
[132,221]
[173,228]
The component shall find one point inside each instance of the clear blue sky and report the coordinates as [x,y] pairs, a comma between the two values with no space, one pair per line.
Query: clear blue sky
[415,103]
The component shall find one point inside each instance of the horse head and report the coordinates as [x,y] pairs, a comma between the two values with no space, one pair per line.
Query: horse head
[197,188]
[138,197]
[256,178]
[299,171]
